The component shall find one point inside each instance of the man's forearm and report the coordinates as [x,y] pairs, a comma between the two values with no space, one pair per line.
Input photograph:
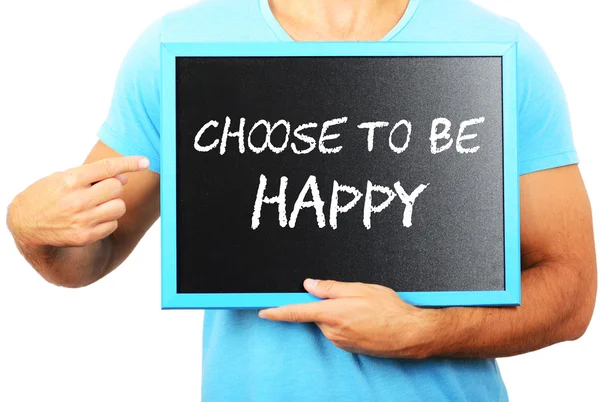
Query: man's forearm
[556,306]
[69,266]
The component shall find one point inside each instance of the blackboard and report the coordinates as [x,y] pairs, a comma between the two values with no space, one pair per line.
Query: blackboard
[378,168]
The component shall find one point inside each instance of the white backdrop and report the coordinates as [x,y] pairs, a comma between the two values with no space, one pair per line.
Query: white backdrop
[110,341]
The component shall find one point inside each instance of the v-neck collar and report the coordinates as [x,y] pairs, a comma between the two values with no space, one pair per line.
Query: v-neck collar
[283,35]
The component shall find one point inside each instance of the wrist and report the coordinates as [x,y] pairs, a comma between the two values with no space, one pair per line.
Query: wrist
[435,328]
[12,222]
[454,328]
[15,222]
[420,337]
[27,244]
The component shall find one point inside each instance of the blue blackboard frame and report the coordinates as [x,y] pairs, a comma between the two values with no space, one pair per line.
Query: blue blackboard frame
[510,296]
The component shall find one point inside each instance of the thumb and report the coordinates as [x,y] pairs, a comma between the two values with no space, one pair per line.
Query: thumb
[329,289]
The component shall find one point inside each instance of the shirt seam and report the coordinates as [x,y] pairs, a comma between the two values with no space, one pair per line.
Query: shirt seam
[278,31]
[573,151]
[129,144]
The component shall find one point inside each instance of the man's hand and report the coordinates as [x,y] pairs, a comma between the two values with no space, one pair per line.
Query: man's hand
[75,227]
[73,208]
[558,277]
[364,318]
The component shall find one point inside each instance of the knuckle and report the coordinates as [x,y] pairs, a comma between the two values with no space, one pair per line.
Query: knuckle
[327,318]
[344,325]
[331,335]
[333,320]
[109,167]
[115,187]
[119,188]
[328,286]
[120,207]
[386,290]
[73,205]
[81,238]
[77,205]
[68,180]
[133,165]
[112,227]
[294,316]
[376,287]
[337,344]
[77,222]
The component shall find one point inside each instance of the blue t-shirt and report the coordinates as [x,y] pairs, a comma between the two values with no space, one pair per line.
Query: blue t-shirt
[248,358]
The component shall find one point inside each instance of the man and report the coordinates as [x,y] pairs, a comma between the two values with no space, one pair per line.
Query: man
[362,342]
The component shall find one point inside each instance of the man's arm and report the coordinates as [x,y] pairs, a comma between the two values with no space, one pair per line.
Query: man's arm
[559,278]
[558,291]
[71,241]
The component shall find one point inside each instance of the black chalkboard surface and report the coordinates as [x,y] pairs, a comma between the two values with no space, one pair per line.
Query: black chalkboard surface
[378,169]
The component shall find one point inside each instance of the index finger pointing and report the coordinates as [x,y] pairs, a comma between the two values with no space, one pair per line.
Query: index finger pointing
[110,167]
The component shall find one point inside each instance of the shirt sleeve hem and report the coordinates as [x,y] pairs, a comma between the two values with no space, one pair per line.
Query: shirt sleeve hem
[108,136]
[548,162]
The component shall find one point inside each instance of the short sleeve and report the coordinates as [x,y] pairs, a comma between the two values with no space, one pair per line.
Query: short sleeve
[132,126]
[544,127]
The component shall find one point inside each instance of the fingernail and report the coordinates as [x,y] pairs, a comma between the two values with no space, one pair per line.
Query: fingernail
[122,178]
[144,163]
[261,314]
[311,284]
